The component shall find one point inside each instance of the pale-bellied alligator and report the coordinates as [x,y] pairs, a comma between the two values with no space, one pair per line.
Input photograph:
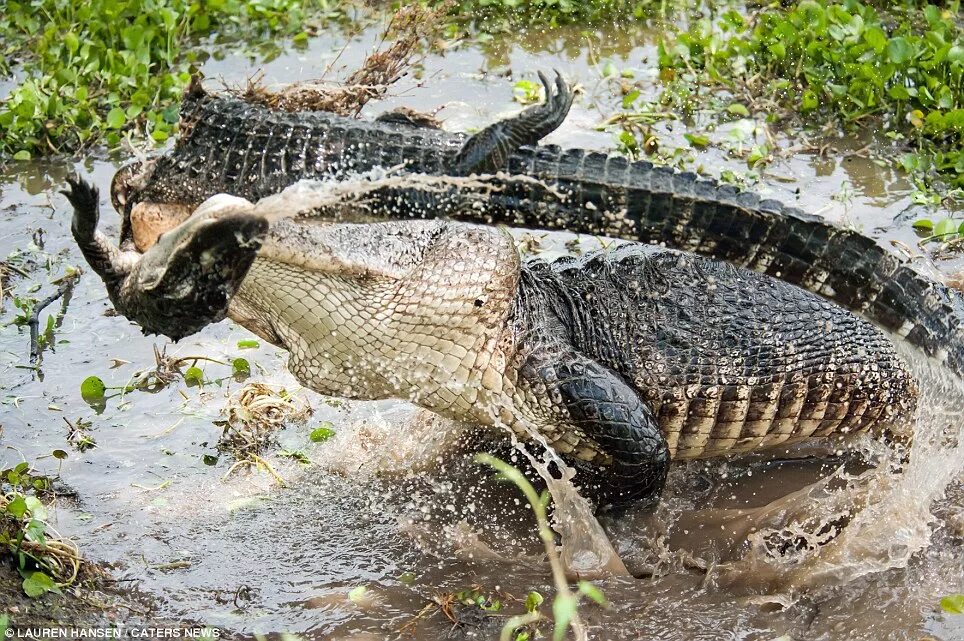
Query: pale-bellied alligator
[623,359]
[230,147]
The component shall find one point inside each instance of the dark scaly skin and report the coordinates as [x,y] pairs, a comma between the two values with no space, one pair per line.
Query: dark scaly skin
[604,195]
[226,145]
[621,359]
[639,202]
[186,283]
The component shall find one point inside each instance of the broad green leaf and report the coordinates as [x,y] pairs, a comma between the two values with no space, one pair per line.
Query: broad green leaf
[533,601]
[248,343]
[924,224]
[23,154]
[37,584]
[630,98]
[738,109]
[697,140]
[17,507]
[240,366]
[946,227]
[92,389]
[116,118]
[194,375]
[35,507]
[899,50]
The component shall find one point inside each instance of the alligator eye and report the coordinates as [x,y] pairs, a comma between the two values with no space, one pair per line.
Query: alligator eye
[479,302]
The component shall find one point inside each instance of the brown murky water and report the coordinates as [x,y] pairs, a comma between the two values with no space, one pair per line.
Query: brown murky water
[375,508]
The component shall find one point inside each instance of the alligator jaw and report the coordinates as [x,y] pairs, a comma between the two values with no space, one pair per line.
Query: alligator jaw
[187,279]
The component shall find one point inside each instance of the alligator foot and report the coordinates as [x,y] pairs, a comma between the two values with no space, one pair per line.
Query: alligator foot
[489,150]
[602,410]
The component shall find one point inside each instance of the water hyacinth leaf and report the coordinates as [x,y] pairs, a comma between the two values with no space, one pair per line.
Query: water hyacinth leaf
[17,507]
[248,343]
[240,366]
[697,140]
[37,584]
[194,375]
[116,118]
[92,389]
[407,578]
[946,228]
[322,433]
[738,109]
[60,455]
[899,50]
[953,604]
[533,601]
[630,98]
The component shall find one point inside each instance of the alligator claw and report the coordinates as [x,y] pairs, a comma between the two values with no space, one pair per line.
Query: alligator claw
[488,151]
[85,198]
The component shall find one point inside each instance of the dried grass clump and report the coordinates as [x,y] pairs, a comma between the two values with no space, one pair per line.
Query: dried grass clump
[254,414]
[411,25]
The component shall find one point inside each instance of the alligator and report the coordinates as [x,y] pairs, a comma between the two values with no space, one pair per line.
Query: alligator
[622,360]
[226,145]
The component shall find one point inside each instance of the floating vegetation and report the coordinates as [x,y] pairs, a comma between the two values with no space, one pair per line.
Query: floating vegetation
[253,417]
[100,69]
[46,561]
[850,63]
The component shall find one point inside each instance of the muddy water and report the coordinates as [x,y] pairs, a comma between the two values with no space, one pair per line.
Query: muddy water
[388,498]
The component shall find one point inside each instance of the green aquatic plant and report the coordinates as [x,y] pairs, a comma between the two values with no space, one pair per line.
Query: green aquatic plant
[899,69]
[565,605]
[96,70]
[46,561]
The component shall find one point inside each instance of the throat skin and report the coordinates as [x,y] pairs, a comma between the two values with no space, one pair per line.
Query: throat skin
[419,310]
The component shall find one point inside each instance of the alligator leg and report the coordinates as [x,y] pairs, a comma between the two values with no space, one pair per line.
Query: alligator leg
[111,264]
[489,150]
[601,407]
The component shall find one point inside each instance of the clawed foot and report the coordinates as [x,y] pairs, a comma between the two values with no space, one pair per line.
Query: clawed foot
[488,151]
[550,114]
[85,198]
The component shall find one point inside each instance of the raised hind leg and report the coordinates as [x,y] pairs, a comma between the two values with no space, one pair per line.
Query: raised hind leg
[489,150]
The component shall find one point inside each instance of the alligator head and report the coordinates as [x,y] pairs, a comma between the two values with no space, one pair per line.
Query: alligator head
[187,279]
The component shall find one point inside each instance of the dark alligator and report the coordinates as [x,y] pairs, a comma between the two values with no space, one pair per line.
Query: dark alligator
[226,145]
[600,195]
[620,359]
